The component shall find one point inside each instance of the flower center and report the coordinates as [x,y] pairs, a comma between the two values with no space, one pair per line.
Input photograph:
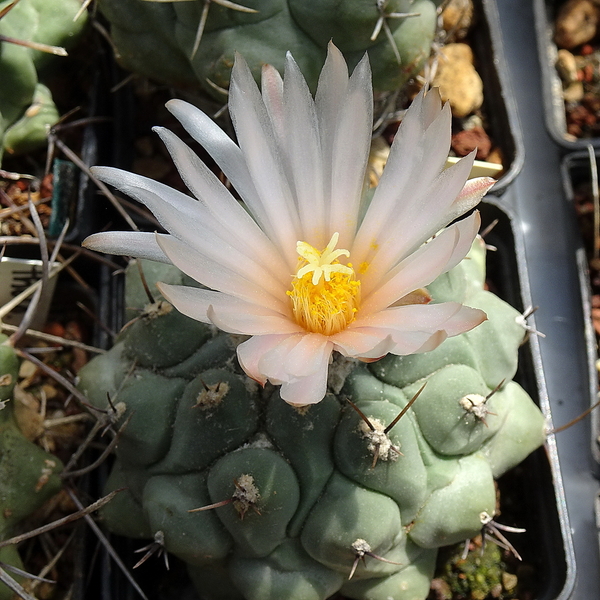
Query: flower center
[325,294]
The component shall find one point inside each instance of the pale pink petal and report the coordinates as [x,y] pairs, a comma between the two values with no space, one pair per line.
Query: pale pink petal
[463,320]
[167,204]
[418,154]
[250,352]
[330,96]
[467,229]
[193,302]
[262,356]
[307,390]
[411,342]
[424,317]
[223,150]
[216,276]
[406,329]
[257,142]
[331,91]
[298,361]
[221,212]
[222,255]
[226,312]
[127,243]
[308,355]
[424,109]
[350,151]
[363,342]
[303,159]
[424,265]
[272,363]
[244,320]
[470,196]
[272,93]
[414,162]
[209,135]
[176,211]
[433,342]
[427,214]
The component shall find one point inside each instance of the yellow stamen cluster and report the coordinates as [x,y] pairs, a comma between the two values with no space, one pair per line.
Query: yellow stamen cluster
[325,295]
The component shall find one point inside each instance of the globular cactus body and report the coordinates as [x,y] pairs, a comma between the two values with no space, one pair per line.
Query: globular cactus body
[157,39]
[26,106]
[306,496]
[28,475]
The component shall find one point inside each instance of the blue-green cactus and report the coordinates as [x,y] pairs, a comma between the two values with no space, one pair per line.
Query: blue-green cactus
[26,106]
[28,475]
[158,39]
[298,499]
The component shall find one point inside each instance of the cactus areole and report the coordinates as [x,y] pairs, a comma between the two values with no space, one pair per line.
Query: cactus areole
[330,491]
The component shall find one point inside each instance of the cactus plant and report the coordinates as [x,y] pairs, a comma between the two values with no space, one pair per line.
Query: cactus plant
[28,475]
[157,39]
[297,499]
[26,106]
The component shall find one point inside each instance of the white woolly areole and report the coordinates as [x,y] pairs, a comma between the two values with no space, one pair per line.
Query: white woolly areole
[475,404]
[379,443]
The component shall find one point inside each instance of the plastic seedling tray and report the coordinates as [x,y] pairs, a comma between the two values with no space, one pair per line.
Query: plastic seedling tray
[577,170]
[549,236]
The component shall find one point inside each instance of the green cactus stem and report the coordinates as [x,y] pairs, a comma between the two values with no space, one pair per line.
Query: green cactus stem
[264,500]
[160,39]
[26,106]
[28,475]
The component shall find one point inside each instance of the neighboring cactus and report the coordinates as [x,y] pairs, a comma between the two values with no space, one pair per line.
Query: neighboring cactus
[157,39]
[26,107]
[28,475]
[305,497]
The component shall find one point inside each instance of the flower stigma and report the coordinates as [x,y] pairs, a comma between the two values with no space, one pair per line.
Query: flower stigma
[325,294]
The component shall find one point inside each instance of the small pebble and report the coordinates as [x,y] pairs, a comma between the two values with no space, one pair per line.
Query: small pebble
[457,18]
[509,581]
[458,80]
[576,23]
[495,156]
[27,369]
[472,121]
[574,92]
[566,66]
[466,141]
[586,50]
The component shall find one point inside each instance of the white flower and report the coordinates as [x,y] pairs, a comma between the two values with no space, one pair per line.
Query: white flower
[297,267]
